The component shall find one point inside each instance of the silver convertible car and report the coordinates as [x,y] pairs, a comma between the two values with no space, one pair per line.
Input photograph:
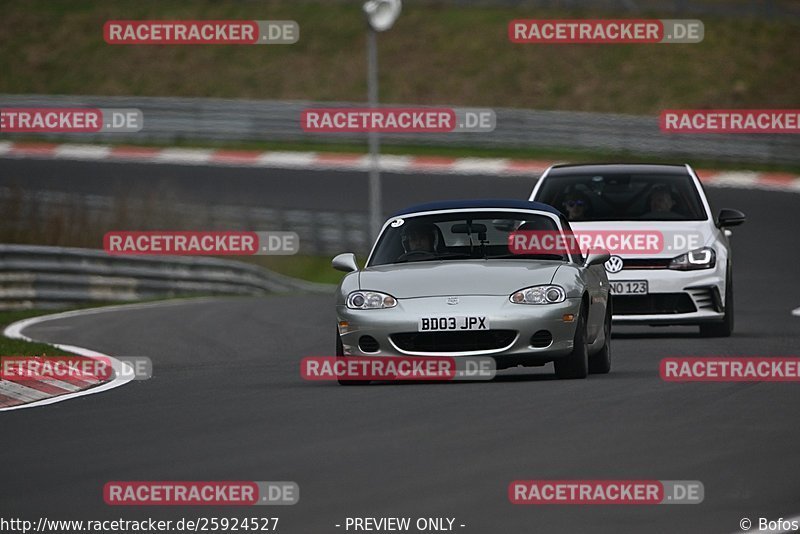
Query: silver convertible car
[442,280]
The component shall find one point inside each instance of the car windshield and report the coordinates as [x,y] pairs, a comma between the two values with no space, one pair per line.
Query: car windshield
[623,197]
[458,236]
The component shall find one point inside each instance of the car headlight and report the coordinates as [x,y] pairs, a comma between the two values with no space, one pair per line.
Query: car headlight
[370,300]
[701,258]
[539,295]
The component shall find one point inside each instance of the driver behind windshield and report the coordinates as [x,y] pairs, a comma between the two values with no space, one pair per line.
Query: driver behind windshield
[576,206]
[661,203]
[419,237]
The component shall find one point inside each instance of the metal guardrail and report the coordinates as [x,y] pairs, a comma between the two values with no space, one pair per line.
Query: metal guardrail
[320,232]
[169,120]
[53,277]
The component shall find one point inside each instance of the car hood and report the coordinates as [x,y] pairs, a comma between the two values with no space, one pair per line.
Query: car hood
[700,232]
[450,278]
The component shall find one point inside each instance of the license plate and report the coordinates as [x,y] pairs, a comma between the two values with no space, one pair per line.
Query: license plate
[629,287]
[461,322]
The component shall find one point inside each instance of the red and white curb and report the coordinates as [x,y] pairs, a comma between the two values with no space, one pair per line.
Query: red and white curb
[31,393]
[351,162]
[16,394]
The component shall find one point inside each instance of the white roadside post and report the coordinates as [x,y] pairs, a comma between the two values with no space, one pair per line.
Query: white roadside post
[381,15]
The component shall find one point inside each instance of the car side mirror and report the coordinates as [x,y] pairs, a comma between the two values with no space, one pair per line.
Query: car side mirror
[345,262]
[597,258]
[728,217]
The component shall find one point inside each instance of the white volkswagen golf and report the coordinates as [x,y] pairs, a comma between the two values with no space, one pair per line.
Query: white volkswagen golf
[671,260]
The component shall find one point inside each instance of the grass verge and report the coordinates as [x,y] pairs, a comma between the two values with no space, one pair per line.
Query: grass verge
[435,54]
[19,347]
[311,268]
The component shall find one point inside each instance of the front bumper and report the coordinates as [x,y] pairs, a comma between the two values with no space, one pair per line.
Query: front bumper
[389,326]
[674,298]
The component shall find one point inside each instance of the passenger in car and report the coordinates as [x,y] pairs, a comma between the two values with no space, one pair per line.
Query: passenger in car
[576,206]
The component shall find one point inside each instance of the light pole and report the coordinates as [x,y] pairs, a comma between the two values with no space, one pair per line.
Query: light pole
[381,15]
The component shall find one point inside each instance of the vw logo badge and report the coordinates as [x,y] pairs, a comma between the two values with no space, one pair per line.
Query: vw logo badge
[452,301]
[614,264]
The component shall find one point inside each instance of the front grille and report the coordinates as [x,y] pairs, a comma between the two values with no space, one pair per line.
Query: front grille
[652,304]
[645,263]
[453,341]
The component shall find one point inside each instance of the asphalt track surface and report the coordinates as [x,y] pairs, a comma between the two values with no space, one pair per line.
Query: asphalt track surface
[227,401]
[278,188]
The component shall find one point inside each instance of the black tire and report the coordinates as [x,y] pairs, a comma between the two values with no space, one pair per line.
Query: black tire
[600,362]
[340,354]
[576,365]
[725,327]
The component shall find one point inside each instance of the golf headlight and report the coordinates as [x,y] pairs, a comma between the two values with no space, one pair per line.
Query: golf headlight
[702,258]
[539,295]
[370,300]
